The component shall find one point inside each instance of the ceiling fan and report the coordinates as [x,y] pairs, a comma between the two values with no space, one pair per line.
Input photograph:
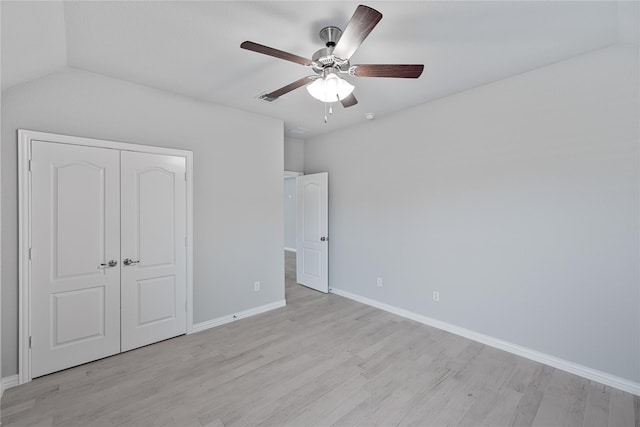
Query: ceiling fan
[328,63]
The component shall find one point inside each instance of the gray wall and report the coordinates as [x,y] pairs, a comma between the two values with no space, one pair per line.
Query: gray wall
[290,212]
[293,154]
[517,201]
[238,211]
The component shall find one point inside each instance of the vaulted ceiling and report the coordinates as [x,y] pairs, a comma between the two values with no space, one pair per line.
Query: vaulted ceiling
[193,48]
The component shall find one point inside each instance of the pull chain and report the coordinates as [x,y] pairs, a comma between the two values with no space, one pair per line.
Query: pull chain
[326,119]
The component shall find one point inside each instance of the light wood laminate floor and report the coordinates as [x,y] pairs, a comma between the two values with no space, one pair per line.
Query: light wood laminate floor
[322,360]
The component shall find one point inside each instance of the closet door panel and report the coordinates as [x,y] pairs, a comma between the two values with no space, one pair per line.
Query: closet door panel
[75,227]
[153,189]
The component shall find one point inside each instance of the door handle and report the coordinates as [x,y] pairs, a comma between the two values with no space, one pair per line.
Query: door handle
[129,261]
[324,239]
[110,264]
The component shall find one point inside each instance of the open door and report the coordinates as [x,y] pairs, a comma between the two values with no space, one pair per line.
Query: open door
[312,256]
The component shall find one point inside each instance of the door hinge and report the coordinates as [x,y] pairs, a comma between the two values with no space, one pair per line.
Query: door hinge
[29,165]
[185,241]
[30,340]
[185,306]
[185,176]
[29,253]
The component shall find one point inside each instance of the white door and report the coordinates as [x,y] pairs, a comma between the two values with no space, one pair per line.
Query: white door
[153,248]
[75,268]
[312,262]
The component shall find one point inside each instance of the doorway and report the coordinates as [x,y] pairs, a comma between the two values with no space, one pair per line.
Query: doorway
[306,228]
[290,210]
[290,201]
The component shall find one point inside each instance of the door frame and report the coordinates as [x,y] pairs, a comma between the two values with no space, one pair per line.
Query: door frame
[24,228]
[291,175]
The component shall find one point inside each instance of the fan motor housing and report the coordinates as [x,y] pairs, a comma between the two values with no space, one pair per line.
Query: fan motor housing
[324,58]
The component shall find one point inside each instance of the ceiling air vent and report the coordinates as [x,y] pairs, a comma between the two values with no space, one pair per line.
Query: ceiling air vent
[266,98]
[297,130]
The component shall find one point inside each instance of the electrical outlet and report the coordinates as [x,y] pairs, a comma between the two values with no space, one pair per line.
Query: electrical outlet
[256,286]
[379,282]
[436,296]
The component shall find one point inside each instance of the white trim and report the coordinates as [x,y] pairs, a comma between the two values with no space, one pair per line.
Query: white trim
[537,356]
[290,249]
[24,233]
[9,382]
[291,174]
[24,243]
[203,326]
[189,242]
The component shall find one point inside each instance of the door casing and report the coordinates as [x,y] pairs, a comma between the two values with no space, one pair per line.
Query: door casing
[25,137]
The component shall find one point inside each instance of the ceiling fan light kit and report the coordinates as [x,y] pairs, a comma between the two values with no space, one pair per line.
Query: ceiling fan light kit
[330,88]
[327,63]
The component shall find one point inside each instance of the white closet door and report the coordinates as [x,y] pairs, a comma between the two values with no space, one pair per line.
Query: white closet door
[153,248]
[75,228]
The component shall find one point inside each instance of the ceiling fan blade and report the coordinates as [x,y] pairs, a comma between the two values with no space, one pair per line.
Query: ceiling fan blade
[288,88]
[364,19]
[349,101]
[406,71]
[275,53]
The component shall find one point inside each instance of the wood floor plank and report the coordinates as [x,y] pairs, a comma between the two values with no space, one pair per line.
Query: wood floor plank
[18,408]
[621,409]
[316,411]
[500,412]
[430,402]
[389,411]
[321,360]
[597,410]
[347,406]
[564,401]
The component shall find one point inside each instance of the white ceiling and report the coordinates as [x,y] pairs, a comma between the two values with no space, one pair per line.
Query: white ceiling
[192,48]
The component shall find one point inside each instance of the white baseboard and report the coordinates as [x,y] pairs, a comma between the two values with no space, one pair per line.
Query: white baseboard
[8,382]
[564,365]
[202,326]
[290,249]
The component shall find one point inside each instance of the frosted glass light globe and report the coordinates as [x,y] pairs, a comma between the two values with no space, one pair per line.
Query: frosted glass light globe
[330,88]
